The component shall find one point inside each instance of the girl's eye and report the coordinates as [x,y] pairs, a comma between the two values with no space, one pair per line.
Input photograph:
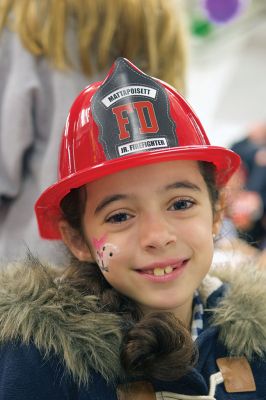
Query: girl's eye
[182,204]
[118,218]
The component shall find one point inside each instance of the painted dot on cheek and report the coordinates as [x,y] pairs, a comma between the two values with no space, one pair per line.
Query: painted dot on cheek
[111,254]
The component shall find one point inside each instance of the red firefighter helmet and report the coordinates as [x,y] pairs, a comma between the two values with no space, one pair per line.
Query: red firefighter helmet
[127,120]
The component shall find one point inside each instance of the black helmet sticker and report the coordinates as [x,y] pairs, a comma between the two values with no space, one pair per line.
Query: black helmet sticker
[132,112]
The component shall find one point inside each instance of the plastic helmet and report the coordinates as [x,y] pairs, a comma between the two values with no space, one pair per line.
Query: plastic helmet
[127,120]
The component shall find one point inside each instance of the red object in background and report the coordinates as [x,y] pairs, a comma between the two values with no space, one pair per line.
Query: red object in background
[246,209]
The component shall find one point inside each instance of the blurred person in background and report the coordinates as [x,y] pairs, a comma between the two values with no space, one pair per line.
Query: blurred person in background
[247,206]
[49,51]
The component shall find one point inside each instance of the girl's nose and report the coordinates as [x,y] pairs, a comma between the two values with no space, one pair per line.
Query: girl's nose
[156,233]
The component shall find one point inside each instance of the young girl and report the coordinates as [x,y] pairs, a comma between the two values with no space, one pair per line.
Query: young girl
[138,204]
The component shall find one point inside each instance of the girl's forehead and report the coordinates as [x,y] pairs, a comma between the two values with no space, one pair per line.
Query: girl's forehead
[150,175]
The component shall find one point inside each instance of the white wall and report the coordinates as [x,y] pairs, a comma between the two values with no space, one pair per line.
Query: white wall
[227,80]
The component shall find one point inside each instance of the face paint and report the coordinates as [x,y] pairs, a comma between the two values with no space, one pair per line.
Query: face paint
[104,252]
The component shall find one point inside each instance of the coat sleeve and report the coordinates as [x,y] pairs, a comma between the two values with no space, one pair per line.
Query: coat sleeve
[18,86]
[26,375]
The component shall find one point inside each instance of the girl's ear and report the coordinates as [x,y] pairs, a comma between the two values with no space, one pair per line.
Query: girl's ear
[219,214]
[75,242]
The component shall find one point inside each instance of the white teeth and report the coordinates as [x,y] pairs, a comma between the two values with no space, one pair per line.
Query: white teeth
[158,271]
[168,270]
[162,271]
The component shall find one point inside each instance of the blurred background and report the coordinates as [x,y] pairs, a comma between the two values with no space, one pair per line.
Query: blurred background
[226,75]
[226,86]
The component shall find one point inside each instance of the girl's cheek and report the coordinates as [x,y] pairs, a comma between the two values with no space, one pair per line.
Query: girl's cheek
[105,252]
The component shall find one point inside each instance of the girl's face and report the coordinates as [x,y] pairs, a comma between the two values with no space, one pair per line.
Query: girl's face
[150,230]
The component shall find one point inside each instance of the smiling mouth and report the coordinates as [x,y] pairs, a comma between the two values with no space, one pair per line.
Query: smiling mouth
[160,271]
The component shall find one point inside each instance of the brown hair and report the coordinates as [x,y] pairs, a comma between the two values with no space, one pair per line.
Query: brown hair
[151,33]
[208,172]
[154,345]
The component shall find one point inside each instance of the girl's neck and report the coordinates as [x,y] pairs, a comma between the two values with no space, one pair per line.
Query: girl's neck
[183,312]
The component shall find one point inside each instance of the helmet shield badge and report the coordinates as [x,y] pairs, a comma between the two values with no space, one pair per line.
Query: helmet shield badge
[132,113]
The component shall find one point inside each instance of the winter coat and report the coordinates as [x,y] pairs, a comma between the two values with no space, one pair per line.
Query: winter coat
[57,344]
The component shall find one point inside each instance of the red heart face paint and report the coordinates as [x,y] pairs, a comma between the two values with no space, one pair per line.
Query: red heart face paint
[104,252]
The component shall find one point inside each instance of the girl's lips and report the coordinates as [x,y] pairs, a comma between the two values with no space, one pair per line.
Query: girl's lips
[177,270]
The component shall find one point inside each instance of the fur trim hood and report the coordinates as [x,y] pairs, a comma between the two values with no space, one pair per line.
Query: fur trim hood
[241,314]
[38,305]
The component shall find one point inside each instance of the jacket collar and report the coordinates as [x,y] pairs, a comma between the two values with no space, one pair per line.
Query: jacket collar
[38,305]
[237,308]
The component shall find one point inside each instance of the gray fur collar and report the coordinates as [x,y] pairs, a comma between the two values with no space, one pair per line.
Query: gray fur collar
[241,314]
[37,305]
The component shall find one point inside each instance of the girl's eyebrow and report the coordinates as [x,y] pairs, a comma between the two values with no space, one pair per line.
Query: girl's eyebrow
[183,185]
[109,199]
